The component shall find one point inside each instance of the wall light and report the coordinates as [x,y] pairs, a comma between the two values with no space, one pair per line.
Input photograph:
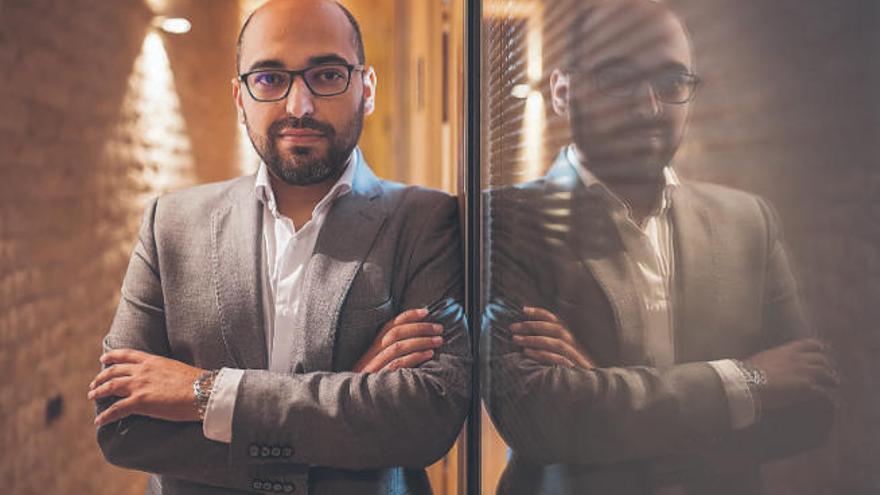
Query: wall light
[521,91]
[173,25]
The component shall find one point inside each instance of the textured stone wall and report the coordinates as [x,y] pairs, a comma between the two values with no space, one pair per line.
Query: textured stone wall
[98,113]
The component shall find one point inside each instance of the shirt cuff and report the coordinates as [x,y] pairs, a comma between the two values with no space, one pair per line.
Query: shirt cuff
[743,412]
[217,424]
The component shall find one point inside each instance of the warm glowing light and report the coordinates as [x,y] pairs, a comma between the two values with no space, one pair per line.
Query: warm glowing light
[521,91]
[151,139]
[175,25]
[534,123]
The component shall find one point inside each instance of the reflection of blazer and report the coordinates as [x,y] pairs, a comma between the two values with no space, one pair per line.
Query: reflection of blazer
[626,427]
[193,292]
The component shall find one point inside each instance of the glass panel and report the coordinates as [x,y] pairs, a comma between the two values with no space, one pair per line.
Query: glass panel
[679,243]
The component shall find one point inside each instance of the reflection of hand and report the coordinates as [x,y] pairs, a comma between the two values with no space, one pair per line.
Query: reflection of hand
[148,385]
[796,372]
[545,338]
[404,342]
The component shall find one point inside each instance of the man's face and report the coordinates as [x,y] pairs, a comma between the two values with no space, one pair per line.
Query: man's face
[303,139]
[620,88]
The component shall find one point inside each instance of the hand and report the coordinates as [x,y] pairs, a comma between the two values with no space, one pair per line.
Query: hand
[545,338]
[404,342]
[796,372]
[147,385]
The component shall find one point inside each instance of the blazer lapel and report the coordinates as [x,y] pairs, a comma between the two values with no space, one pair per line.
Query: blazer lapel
[696,295]
[236,236]
[343,243]
[598,248]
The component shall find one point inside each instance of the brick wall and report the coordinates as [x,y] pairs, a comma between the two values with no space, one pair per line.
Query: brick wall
[92,123]
[788,110]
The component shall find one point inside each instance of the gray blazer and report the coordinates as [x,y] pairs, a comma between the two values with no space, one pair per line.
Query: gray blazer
[193,292]
[627,427]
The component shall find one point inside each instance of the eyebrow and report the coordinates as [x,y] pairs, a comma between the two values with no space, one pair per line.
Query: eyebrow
[328,58]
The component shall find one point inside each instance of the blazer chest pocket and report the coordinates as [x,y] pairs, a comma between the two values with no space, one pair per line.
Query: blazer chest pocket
[370,290]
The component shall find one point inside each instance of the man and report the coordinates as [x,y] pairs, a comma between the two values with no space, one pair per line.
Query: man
[257,346]
[645,333]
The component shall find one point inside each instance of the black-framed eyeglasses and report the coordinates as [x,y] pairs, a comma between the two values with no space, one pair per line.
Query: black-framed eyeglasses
[675,87]
[268,85]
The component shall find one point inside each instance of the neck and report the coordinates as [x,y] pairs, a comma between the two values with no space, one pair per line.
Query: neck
[298,202]
[643,198]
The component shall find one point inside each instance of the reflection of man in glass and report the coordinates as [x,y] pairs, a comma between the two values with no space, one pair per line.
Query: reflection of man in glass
[295,330]
[646,334]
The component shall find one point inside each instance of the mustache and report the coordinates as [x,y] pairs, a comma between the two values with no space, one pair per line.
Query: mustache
[281,125]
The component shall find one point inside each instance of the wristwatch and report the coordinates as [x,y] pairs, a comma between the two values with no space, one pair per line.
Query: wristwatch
[755,379]
[202,387]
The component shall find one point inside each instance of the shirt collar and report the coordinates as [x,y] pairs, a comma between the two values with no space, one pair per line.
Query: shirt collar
[264,193]
[670,177]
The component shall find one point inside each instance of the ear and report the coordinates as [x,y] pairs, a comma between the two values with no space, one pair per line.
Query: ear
[369,77]
[237,97]
[560,92]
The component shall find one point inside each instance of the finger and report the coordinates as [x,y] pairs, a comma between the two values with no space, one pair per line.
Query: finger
[548,358]
[118,356]
[540,314]
[118,410]
[818,360]
[825,377]
[544,328]
[809,345]
[115,371]
[556,346]
[409,361]
[410,316]
[409,331]
[403,347]
[117,387]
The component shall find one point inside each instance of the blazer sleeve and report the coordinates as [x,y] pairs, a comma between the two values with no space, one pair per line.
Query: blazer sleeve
[408,417]
[177,449]
[794,429]
[550,414]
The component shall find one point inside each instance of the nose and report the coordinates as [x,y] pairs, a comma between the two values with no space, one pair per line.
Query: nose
[648,104]
[300,100]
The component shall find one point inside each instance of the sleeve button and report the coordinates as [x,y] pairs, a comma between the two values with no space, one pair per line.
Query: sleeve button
[254,450]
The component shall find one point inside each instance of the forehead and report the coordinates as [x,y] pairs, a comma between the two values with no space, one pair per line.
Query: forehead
[638,34]
[294,32]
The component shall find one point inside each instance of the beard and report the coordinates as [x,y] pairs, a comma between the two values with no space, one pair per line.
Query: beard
[305,165]
[626,152]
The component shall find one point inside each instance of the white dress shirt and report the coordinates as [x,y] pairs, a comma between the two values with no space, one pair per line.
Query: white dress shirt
[286,252]
[650,247]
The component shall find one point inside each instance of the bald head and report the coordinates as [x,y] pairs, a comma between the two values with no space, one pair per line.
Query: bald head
[301,8]
[604,26]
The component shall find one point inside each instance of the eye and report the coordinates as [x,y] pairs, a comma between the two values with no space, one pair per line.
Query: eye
[329,74]
[672,84]
[269,79]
